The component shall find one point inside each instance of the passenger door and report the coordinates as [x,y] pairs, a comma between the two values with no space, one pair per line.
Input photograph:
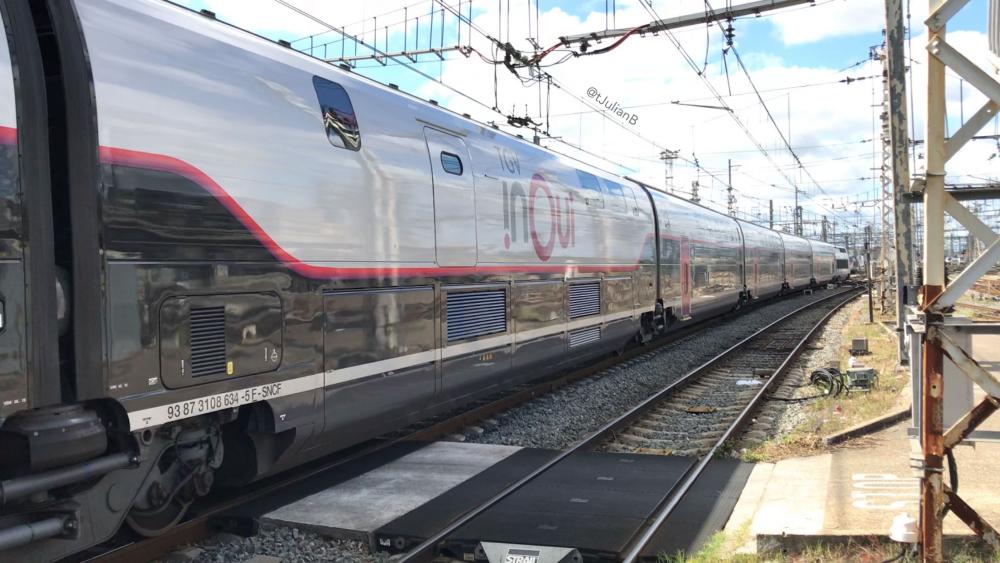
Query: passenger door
[454,199]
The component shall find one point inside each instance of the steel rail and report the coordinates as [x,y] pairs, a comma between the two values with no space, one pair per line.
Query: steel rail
[670,502]
[198,527]
[422,550]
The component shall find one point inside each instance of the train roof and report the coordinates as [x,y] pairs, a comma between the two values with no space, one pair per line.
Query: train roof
[433,106]
[429,104]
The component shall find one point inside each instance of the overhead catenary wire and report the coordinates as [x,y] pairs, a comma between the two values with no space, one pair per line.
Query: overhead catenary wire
[711,88]
[848,80]
[508,48]
[551,81]
[404,64]
[554,82]
[763,104]
[375,48]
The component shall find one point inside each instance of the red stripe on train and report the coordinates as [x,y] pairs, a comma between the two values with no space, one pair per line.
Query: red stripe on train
[162,163]
[8,135]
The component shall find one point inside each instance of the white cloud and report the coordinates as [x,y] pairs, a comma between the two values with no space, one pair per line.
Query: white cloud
[833,18]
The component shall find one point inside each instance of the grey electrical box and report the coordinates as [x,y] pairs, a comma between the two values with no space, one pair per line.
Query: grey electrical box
[862,378]
[958,389]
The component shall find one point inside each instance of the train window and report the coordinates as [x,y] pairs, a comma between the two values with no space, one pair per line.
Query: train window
[700,276]
[670,251]
[617,194]
[451,163]
[338,114]
[591,186]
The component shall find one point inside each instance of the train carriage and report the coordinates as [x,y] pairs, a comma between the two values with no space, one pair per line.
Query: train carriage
[843,265]
[412,260]
[824,262]
[247,258]
[701,258]
[763,261]
[798,262]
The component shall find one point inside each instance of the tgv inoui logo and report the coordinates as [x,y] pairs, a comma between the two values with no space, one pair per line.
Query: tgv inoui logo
[538,216]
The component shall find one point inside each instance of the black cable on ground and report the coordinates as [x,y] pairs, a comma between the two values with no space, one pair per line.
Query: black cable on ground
[831,378]
[795,399]
[902,554]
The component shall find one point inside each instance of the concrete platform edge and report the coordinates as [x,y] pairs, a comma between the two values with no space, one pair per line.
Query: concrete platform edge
[868,427]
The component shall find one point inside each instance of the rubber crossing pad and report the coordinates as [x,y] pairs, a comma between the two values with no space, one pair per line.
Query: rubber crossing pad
[704,510]
[594,502]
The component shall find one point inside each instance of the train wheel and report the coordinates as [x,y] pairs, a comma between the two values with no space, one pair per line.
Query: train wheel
[183,473]
[150,523]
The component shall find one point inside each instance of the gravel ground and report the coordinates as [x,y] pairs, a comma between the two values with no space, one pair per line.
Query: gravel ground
[274,545]
[558,419]
[777,418]
[691,421]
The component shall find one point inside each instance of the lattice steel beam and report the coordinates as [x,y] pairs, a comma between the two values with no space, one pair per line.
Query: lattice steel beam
[938,296]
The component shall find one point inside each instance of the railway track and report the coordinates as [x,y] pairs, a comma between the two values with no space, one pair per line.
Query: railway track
[984,312]
[690,421]
[711,389]
[202,522]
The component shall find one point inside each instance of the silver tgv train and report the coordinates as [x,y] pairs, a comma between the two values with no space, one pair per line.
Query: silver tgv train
[223,258]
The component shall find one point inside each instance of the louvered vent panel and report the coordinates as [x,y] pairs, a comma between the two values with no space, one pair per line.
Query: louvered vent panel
[208,341]
[584,300]
[476,313]
[584,336]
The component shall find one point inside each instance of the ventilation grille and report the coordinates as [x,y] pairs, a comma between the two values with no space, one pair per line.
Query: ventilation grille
[476,313]
[584,336]
[584,299]
[208,341]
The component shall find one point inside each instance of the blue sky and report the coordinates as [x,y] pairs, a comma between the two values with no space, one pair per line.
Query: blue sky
[754,35]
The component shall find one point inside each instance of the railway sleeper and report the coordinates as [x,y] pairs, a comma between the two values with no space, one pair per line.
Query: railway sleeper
[643,433]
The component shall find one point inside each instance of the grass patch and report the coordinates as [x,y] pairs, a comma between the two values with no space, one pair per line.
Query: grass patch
[827,415]
[721,548]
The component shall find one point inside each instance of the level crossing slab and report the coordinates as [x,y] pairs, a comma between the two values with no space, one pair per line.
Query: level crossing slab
[359,505]
[593,502]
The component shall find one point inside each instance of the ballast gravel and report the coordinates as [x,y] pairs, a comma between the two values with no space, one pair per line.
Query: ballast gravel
[784,416]
[274,545]
[560,418]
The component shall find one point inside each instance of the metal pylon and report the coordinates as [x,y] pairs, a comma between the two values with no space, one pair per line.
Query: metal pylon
[937,336]
[887,248]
